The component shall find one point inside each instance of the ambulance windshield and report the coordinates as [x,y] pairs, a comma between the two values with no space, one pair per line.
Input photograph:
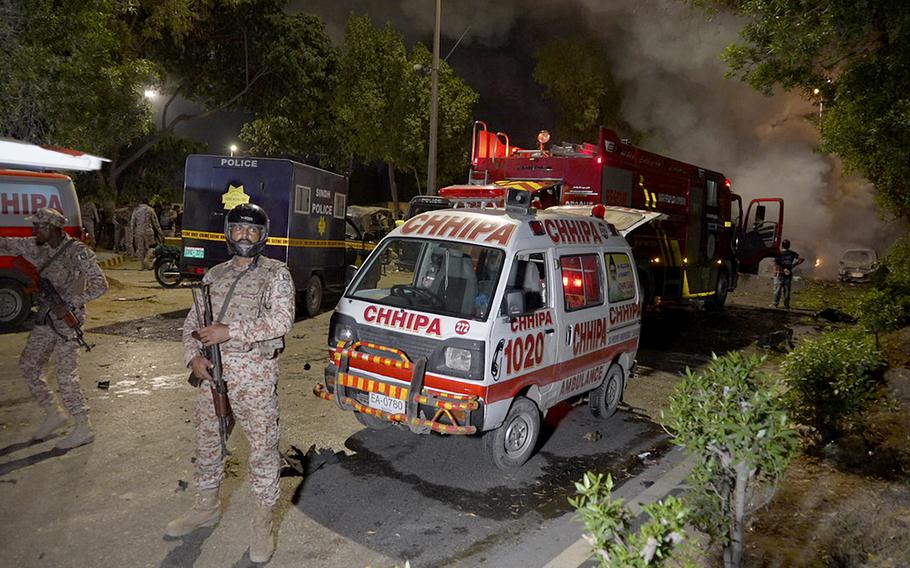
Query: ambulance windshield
[440,277]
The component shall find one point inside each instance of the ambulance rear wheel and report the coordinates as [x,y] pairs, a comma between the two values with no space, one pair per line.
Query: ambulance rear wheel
[312,296]
[605,399]
[15,303]
[372,422]
[513,443]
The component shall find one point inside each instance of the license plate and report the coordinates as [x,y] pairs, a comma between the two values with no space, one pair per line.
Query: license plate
[857,275]
[194,252]
[387,403]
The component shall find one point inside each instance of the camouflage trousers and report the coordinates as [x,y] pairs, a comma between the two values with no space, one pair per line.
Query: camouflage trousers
[43,342]
[253,391]
[144,242]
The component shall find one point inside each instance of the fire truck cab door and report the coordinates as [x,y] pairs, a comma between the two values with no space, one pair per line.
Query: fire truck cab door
[760,235]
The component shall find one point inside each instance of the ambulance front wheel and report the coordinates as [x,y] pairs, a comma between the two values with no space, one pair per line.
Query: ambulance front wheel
[605,399]
[372,422]
[312,296]
[15,303]
[513,443]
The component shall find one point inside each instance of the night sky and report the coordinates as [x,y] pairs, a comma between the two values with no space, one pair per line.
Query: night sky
[666,55]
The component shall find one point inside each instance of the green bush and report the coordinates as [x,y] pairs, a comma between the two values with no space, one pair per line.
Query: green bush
[830,377]
[732,419]
[881,310]
[608,521]
[897,263]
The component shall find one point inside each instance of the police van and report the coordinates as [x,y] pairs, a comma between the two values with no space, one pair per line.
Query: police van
[504,313]
[306,208]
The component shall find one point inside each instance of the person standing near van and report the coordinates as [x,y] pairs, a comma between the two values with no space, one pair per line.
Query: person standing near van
[72,269]
[784,263]
[253,308]
[146,232]
[90,220]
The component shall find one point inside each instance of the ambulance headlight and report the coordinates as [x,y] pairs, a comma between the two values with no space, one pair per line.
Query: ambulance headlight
[458,359]
[342,328]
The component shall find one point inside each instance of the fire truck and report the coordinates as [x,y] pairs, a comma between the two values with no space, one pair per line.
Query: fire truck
[690,238]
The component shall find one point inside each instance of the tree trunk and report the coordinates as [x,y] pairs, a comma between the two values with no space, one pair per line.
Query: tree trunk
[735,558]
[393,187]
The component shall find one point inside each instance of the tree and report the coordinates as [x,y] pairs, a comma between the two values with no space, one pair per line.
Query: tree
[576,76]
[382,104]
[75,72]
[850,57]
[732,420]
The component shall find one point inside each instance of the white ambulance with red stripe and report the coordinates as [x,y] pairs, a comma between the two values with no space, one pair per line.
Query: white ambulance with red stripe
[499,314]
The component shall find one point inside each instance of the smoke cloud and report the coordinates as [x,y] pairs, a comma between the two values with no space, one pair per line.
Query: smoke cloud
[666,56]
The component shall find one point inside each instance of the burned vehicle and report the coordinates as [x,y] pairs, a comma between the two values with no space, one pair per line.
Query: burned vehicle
[857,265]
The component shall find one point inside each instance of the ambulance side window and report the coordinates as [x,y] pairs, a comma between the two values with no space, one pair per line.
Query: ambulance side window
[581,281]
[620,277]
[528,275]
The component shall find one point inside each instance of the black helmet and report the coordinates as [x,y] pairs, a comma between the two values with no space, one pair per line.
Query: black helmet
[246,214]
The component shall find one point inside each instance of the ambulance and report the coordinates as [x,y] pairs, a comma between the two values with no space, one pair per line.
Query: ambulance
[506,312]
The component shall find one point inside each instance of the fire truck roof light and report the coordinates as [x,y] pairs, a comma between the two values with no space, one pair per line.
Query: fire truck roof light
[727,182]
[599,211]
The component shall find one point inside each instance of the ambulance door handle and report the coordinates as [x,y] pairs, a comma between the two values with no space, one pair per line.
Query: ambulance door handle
[550,331]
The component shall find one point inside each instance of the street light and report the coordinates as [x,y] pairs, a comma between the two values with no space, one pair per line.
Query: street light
[233,149]
[150,94]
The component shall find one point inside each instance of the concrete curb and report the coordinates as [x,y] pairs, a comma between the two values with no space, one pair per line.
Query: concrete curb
[113,261]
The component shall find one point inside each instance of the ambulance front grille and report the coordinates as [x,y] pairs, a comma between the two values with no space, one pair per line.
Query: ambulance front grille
[414,347]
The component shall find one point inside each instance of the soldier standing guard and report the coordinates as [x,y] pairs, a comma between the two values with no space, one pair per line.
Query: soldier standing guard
[72,269]
[253,308]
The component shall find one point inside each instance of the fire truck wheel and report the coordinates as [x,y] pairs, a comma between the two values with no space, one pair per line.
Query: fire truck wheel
[312,296]
[717,301]
[15,303]
[372,422]
[513,443]
[605,399]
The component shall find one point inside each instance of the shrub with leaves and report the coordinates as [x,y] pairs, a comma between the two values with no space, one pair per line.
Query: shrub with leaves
[608,523]
[830,377]
[732,419]
[883,310]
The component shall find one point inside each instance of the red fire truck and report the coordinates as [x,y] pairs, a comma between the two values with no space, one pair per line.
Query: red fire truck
[697,239]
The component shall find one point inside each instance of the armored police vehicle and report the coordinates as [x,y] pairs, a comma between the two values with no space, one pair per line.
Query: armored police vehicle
[306,207]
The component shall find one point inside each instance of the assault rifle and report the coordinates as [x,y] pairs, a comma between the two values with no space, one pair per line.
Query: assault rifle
[213,353]
[50,299]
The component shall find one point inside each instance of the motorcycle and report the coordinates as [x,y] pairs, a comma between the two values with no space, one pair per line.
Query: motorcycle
[167,266]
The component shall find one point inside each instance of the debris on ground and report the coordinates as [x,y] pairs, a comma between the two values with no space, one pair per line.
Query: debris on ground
[104,385]
[181,485]
[306,366]
[780,340]
[298,464]
[593,436]
[834,316]
[134,299]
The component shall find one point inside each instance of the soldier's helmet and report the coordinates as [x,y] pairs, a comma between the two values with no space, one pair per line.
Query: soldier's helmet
[247,214]
[49,216]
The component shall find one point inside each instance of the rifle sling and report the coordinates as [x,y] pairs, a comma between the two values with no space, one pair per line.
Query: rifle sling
[60,250]
[230,292]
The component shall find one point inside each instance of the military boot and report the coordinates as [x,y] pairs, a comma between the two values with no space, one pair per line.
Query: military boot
[205,513]
[262,543]
[54,420]
[80,435]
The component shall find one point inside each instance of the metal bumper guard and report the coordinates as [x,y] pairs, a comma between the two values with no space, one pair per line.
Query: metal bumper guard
[415,394]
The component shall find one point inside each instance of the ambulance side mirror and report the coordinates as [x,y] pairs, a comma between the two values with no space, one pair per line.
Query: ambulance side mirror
[515,303]
[350,272]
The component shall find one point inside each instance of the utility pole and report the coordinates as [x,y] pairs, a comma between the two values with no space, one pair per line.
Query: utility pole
[434,105]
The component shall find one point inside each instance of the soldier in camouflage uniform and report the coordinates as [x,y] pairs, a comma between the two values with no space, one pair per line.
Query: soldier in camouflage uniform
[253,308]
[145,231]
[72,269]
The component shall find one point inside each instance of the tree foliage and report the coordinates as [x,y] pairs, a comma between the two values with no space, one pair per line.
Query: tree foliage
[576,76]
[848,56]
[732,419]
